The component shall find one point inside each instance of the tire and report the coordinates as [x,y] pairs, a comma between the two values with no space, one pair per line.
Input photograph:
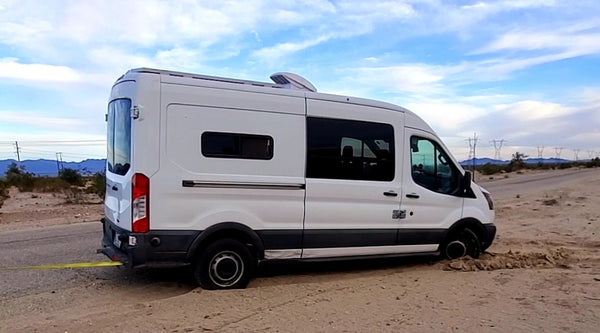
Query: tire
[224,264]
[461,243]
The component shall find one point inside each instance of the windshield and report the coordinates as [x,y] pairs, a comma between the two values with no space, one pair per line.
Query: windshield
[119,136]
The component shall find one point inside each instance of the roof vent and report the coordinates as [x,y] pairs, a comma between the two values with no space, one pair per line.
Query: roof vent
[293,81]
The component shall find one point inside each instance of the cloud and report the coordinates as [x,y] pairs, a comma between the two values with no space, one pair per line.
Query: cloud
[10,68]
[410,77]
[39,120]
[284,49]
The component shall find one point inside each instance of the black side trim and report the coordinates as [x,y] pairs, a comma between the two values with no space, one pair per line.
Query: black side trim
[281,239]
[349,237]
[325,238]
[243,185]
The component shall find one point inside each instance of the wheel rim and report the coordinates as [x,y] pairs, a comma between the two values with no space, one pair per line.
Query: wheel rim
[456,249]
[226,269]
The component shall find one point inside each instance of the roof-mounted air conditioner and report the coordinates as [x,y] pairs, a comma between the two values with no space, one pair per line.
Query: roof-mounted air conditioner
[293,81]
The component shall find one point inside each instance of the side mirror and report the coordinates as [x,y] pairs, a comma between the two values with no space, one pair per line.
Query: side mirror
[465,183]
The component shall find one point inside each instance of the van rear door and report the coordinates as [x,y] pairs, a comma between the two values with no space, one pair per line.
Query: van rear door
[117,205]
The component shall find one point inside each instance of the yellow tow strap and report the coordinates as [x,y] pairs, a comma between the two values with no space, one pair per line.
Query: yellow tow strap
[62,266]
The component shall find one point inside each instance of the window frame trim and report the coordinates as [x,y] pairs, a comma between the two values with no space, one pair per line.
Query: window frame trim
[269,138]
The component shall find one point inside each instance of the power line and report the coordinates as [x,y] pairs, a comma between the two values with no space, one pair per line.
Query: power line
[540,150]
[497,146]
[472,147]
[558,150]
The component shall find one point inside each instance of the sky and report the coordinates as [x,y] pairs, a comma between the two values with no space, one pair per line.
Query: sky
[524,73]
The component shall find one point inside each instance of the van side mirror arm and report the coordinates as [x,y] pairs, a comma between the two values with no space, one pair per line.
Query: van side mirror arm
[465,184]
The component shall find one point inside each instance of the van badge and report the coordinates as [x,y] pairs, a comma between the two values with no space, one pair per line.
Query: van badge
[398,214]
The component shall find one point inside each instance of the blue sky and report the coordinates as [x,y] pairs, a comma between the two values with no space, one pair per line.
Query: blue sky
[524,71]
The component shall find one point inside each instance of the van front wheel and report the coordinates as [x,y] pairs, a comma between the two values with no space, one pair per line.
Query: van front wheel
[224,264]
[461,243]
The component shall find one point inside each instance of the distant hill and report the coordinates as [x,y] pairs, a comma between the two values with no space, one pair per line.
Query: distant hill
[485,160]
[44,167]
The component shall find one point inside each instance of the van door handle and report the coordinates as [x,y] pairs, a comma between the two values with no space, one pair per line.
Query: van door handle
[390,194]
[412,196]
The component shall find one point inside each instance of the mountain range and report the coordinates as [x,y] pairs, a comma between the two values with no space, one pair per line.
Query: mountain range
[485,160]
[43,167]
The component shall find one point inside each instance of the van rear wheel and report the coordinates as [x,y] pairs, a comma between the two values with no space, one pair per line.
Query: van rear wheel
[224,264]
[461,243]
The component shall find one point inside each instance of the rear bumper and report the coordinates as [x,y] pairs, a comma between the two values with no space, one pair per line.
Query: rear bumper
[154,248]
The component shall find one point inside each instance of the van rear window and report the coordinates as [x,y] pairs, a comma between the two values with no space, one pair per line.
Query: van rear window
[119,136]
[237,145]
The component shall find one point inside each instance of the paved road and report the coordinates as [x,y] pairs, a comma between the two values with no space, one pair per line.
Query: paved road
[78,243]
[61,245]
[53,245]
[502,188]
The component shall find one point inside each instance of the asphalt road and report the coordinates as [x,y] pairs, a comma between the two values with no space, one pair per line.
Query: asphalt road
[78,243]
[516,184]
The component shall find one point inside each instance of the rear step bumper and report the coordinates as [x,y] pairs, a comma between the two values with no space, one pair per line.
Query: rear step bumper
[113,254]
[153,248]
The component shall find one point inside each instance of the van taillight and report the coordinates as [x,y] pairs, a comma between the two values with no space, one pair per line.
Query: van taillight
[140,201]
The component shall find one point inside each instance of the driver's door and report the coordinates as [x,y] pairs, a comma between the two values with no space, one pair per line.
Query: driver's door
[431,183]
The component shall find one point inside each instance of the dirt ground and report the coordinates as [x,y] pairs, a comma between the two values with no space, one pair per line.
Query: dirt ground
[541,274]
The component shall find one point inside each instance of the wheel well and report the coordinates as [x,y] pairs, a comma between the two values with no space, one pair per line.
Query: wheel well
[473,224]
[230,230]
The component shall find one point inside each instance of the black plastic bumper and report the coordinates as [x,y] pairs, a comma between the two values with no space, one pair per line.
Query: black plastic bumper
[154,248]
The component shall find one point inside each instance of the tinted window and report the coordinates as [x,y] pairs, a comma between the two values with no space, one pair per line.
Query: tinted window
[348,149]
[119,136]
[236,145]
[431,166]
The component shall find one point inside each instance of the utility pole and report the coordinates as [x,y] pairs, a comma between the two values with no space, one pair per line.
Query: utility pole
[497,146]
[576,154]
[18,154]
[591,154]
[58,162]
[472,146]
[540,152]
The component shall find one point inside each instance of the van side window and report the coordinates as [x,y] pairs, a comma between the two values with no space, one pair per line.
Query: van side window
[431,166]
[349,149]
[237,145]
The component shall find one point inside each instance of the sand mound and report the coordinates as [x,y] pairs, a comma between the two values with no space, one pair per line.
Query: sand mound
[492,261]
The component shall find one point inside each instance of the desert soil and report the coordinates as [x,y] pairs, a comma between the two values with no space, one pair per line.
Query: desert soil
[541,274]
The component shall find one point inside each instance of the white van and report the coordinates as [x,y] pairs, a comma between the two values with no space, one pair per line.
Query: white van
[224,174]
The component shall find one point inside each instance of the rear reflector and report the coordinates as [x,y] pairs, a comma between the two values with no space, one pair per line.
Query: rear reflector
[140,201]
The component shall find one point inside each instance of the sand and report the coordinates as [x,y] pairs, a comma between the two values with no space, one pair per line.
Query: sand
[541,274]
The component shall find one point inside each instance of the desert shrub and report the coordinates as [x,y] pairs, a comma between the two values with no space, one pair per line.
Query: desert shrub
[17,176]
[71,176]
[566,165]
[3,192]
[593,163]
[517,162]
[74,195]
[490,169]
[98,184]
[50,184]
